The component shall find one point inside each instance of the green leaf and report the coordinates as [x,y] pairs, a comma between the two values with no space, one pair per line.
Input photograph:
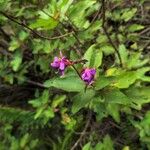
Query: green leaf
[93,56]
[39,112]
[17,60]
[24,140]
[107,49]
[49,113]
[101,82]
[5,4]
[58,100]
[138,96]
[135,27]
[67,83]
[117,97]
[80,9]
[14,44]
[23,35]
[113,110]
[82,99]
[128,13]
[44,23]
[123,53]
[99,107]
[106,145]
[107,142]
[141,74]
[87,146]
[125,79]
[64,6]
[134,60]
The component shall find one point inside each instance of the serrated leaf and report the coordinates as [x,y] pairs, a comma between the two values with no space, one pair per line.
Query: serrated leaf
[82,99]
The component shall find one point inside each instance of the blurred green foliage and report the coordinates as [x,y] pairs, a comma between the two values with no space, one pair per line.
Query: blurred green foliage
[41,110]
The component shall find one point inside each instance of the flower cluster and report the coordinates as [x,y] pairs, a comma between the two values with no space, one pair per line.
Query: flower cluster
[61,63]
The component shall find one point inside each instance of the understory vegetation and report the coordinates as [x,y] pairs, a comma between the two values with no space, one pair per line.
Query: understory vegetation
[74,75]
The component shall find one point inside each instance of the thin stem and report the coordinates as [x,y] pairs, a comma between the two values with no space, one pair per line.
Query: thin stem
[89,116]
[76,71]
[34,32]
[107,34]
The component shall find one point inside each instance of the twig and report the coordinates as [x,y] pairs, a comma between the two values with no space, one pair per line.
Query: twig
[76,71]
[145,30]
[31,82]
[74,30]
[84,131]
[35,83]
[34,32]
[107,34]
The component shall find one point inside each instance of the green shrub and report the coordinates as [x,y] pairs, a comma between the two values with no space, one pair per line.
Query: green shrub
[42,109]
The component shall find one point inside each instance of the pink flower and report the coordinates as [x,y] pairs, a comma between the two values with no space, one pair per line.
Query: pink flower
[60,63]
[88,75]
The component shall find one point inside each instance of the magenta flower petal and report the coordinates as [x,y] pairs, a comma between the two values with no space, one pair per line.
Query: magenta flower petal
[55,63]
[62,65]
[93,71]
[56,59]
[88,75]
